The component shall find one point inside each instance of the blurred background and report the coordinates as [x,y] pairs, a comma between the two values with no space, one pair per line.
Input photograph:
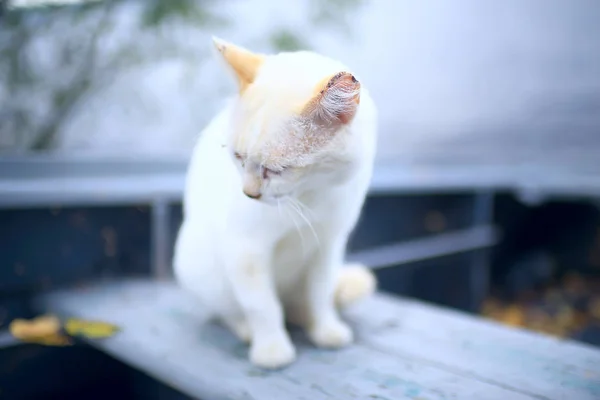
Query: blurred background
[487,185]
[497,82]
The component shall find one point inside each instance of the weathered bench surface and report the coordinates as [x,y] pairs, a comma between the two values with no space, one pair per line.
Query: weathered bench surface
[405,350]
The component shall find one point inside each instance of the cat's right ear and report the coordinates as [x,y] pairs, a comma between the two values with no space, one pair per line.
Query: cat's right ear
[244,63]
[335,102]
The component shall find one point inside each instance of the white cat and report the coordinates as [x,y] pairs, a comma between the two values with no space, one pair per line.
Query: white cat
[275,186]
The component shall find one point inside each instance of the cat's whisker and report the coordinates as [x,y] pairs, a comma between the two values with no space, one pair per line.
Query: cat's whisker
[297,227]
[296,204]
[305,208]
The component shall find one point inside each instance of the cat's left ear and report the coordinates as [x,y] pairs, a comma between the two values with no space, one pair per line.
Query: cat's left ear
[335,101]
[244,63]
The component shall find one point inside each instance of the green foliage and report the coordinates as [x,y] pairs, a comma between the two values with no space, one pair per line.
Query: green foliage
[324,14]
[334,13]
[286,40]
[196,12]
[12,18]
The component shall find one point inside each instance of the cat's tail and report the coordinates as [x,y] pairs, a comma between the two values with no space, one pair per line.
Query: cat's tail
[356,282]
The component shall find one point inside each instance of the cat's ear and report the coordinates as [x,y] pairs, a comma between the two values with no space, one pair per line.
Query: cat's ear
[335,101]
[244,63]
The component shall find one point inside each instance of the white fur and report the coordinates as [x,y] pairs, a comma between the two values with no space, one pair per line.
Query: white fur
[249,261]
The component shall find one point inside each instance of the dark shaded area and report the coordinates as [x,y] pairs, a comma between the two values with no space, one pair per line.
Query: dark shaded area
[32,372]
[546,271]
[543,243]
[47,248]
[390,219]
[445,281]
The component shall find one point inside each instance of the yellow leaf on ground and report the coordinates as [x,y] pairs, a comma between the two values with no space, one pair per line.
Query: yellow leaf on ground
[90,329]
[44,330]
[514,316]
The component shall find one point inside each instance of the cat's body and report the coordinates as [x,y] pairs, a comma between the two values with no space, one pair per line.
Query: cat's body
[274,188]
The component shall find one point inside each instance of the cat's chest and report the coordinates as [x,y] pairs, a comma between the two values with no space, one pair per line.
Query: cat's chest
[297,220]
[294,252]
[304,230]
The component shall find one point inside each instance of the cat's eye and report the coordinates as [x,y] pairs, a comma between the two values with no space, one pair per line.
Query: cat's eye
[239,157]
[266,172]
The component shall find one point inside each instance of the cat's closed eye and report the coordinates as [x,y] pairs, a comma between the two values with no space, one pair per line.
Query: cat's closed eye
[266,172]
[239,157]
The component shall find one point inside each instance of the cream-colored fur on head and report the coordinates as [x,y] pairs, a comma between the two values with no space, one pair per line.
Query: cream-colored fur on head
[274,188]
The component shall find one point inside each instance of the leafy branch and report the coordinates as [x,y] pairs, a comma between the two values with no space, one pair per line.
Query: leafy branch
[66,99]
[40,96]
[79,62]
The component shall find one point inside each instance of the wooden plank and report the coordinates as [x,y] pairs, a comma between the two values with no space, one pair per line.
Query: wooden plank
[542,366]
[404,350]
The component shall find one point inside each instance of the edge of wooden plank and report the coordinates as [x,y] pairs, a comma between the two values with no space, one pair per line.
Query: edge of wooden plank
[539,365]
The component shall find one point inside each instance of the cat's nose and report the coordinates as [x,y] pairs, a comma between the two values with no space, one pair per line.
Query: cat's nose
[252,195]
[252,186]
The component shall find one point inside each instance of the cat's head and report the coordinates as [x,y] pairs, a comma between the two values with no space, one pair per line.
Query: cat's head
[288,128]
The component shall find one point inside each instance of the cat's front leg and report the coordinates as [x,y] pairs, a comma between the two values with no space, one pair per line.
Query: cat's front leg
[250,273]
[325,327]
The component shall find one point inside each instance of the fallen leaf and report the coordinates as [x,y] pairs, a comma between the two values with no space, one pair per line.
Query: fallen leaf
[45,330]
[565,316]
[39,326]
[514,316]
[90,329]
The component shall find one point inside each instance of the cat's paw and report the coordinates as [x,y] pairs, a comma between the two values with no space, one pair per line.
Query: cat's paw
[331,334]
[272,352]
